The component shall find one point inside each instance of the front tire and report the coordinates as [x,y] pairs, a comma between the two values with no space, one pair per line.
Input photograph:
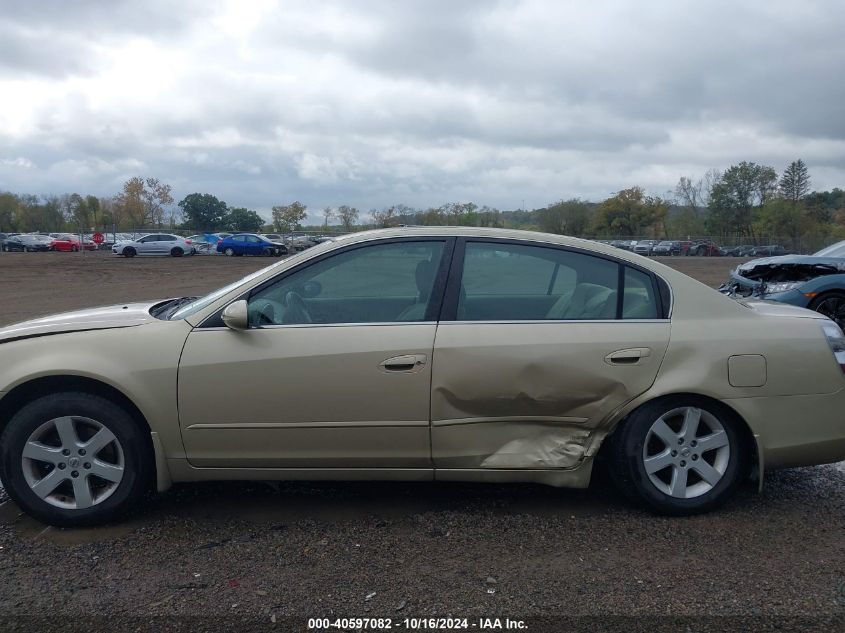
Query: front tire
[129,252]
[228,252]
[679,455]
[75,459]
[832,305]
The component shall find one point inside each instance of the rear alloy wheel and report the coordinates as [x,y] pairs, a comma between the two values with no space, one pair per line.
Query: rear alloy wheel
[832,305]
[129,252]
[176,252]
[74,249]
[228,252]
[679,455]
[73,459]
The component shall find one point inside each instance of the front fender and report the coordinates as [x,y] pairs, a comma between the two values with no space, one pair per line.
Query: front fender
[140,362]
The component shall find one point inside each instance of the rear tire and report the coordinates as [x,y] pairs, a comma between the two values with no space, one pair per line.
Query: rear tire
[695,469]
[176,252]
[74,249]
[56,469]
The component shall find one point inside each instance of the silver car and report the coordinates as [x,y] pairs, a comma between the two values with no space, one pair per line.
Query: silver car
[155,244]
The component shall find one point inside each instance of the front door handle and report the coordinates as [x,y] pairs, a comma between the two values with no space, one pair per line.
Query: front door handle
[630,356]
[406,363]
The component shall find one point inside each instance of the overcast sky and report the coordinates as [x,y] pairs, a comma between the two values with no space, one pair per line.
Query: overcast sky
[372,103]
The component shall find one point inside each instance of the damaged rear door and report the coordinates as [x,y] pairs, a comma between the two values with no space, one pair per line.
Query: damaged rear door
[537,345]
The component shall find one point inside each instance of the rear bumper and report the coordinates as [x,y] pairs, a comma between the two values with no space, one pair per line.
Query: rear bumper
[796,430]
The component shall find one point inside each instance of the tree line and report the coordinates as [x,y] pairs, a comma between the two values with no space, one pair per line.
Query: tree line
[744,202]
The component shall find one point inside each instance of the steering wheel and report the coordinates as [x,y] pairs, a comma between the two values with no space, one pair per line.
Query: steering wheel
[295,309]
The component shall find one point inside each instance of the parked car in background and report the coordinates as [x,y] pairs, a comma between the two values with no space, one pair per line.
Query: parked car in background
[704,248]
[744,250]
[278,240]
[769,250]
[644,247]
[625,245]
[667,247]
[68,242]
[27,243]
[816,282]
[155,244]
[250,244]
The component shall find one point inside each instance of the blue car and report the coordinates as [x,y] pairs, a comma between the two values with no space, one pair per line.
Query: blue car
[814,281]
[250,244]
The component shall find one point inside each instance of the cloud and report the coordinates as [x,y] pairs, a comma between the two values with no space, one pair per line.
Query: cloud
[376,102]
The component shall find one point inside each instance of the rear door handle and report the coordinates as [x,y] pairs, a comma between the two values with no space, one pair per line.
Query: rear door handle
[630,356]
[407,363]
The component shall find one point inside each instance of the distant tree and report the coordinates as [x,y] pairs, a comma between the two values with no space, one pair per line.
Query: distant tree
[567,217]
[8,211]
[241,219]
[621,214]
[488,216]
[143,201]
[203,212]
[734,198]
[794,184]
[385,217]
[348,216]
[780,217]
[328,214]
[287,217]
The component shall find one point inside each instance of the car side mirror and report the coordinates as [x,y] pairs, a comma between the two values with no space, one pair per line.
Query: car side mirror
[236,315]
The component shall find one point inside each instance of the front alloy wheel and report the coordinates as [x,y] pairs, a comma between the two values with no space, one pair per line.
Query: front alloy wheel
[74,458]
[679,455]
[72,462]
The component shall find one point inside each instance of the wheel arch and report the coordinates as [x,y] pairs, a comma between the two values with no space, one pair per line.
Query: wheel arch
[750,444]
[26,392]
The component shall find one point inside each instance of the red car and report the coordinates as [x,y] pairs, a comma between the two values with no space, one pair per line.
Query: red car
[70,243]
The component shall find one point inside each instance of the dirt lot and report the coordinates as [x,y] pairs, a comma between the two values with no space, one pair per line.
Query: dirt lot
[242,555]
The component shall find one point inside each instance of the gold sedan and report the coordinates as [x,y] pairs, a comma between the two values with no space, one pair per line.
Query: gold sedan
[456,354]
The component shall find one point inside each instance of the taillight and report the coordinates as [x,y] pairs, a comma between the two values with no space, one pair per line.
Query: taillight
[188,242]
[836,340]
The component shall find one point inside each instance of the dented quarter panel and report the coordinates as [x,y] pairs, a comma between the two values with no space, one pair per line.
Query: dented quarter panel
[530,395]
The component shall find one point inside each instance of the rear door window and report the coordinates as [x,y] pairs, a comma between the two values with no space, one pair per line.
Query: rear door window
[503,281]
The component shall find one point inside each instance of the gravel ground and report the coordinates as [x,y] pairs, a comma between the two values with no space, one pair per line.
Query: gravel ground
[241,555]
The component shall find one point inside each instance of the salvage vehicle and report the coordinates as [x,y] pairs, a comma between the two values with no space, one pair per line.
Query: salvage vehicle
[155,244]
[419,354]
[250,244]
[816,282]
[667,247]
[645,247]
[703,248]
[70,243]
[26,243]
[769,250]
[743,250]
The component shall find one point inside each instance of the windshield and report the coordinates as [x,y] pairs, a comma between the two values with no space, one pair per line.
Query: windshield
[197,305]
[834,250]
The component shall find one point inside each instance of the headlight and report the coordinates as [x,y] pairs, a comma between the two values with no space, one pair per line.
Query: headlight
[782,286]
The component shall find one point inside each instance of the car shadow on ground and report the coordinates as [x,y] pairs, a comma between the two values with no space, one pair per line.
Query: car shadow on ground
[275,503]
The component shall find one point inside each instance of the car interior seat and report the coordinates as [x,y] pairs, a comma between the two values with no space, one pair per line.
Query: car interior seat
[424,275]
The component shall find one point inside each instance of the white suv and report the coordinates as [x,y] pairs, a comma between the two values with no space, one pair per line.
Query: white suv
[155,244]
